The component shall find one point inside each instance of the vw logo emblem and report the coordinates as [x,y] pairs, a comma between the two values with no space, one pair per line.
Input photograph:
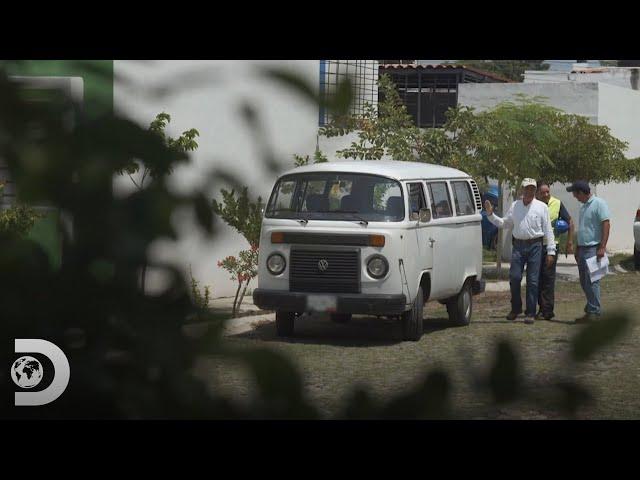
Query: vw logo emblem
[323,265]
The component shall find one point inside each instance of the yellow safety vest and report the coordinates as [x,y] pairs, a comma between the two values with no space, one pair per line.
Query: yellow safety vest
[554,213]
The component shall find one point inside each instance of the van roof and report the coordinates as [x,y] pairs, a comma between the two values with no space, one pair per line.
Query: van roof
[387,168]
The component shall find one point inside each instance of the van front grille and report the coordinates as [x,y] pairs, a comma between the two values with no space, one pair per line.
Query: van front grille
[324,271]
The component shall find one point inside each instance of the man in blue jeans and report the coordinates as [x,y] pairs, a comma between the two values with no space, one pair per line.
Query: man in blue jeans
[593,234]
[531,223]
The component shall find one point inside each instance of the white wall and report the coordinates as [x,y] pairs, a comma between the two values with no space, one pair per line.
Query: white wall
[576,98]
[618,76]
[209,100]
[619,109]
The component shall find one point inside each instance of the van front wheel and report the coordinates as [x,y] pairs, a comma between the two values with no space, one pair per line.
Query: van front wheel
[460,307]
[284,323]
[412,320]
[636,257]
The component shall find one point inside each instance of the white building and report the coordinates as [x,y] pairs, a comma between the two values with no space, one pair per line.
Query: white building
[625,77]
[604,103]
[209,96]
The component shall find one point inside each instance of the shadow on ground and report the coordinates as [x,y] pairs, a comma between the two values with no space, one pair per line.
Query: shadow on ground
[361,331]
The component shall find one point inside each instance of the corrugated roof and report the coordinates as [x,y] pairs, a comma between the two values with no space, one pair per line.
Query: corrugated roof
[443,66]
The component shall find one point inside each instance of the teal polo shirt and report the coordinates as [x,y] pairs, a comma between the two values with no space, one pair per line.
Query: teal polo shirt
[592,213]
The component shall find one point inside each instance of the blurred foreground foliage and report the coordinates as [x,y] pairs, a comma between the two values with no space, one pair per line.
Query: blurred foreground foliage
[129,353]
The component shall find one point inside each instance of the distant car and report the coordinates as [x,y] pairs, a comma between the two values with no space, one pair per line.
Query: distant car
[636,234]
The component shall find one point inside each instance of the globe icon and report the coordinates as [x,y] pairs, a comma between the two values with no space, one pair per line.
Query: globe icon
[26,372]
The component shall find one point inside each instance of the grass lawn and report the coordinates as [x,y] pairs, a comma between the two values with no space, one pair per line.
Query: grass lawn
[334,358]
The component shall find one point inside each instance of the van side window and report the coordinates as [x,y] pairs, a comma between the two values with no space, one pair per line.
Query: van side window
[416,198]
[463,199]
[440,203]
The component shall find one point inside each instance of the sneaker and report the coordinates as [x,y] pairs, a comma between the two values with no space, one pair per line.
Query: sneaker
[513,315]
[546,316]
[529,320]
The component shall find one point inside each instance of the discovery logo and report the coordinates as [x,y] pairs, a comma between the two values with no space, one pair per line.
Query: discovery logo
[40,364]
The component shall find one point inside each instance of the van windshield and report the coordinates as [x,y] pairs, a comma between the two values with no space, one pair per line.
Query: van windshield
[337,196]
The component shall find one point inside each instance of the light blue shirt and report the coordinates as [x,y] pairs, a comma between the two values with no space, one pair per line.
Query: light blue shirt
[592,213]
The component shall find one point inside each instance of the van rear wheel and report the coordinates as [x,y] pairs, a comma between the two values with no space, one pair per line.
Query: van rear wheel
[460,307]
[636,257]
[412,328]
[284,323]
[341,317]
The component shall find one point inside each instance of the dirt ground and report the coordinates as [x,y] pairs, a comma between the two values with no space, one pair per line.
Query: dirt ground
[334,358]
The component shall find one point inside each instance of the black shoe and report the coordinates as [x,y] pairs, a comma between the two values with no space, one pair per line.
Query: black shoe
[513,315]
[529,320]
[546,316]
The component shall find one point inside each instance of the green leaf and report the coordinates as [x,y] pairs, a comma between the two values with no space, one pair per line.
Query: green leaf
[504,376]
[292,81]
[430,400]
[598,335]
[203,212]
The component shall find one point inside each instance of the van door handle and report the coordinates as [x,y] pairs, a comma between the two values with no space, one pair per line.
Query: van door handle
[431,242]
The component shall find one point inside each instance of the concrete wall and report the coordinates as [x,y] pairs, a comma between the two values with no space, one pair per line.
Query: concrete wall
[208,97]
[618,76]
[577,98]
[619,109]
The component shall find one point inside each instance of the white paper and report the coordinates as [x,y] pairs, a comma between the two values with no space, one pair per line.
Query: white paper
[597,268]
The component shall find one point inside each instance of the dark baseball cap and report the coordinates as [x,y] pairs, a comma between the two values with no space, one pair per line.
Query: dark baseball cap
[580,186]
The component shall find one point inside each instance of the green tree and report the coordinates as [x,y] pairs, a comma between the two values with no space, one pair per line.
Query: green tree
[245,216]
[526,138]
[243,269]
[17,219]
[152,170]
[184,143]
[387,130]
[318,157]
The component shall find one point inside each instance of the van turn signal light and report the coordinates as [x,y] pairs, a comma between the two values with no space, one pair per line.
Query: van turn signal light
[376,240]
[277,237]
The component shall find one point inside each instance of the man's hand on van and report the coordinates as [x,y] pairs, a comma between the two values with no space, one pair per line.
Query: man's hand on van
[488,206]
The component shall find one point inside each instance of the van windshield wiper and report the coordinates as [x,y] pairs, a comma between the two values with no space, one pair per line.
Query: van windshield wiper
[353,212]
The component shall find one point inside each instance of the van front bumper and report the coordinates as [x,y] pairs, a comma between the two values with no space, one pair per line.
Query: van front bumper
[345,302]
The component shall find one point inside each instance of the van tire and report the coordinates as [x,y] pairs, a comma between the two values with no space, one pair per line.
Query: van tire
[636,257]
[460,307]
[284,323]
[341,317]
[412,327]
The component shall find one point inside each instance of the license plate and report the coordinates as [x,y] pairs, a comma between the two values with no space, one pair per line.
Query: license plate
[321,303]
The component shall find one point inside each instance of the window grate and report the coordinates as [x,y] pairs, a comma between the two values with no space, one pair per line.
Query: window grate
[476,195]
[363,75]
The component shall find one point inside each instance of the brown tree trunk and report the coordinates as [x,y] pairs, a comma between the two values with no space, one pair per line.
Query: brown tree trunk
[233,311]
[242,294]
[500,234]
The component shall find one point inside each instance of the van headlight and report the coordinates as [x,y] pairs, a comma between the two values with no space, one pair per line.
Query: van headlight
[377,266]
[276,264]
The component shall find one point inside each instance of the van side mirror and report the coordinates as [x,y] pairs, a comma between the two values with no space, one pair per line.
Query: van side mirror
[425,215]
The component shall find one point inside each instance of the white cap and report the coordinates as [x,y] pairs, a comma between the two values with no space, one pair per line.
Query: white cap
[529,181]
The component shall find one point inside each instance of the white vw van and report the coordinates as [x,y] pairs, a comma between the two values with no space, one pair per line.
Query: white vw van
[370,237]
